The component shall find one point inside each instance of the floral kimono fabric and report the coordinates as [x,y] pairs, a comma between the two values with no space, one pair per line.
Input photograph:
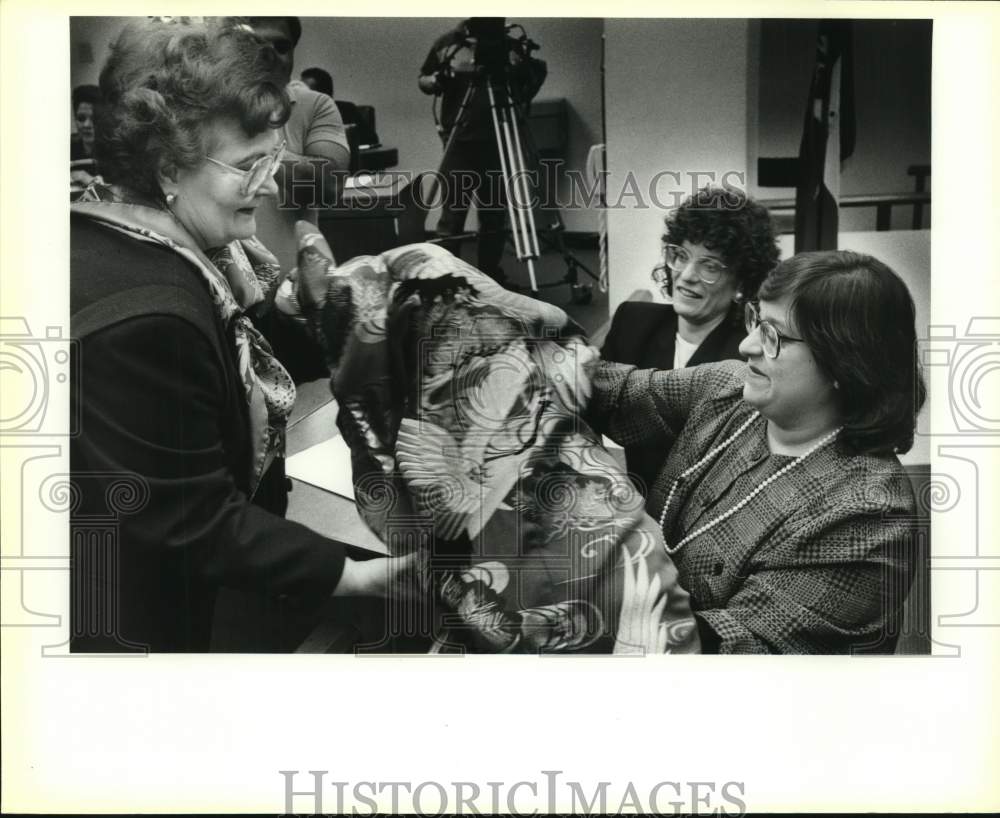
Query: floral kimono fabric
[463,405]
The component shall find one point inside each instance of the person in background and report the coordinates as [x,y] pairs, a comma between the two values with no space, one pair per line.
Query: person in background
[86,98]
[315,146]
[449,70]
[321,81]
[83,168]
[718,247]
[181,403]
[318,80]
[782,499]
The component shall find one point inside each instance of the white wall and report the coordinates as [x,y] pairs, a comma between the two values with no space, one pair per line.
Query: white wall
[89,40]
[676,94]
[572,50]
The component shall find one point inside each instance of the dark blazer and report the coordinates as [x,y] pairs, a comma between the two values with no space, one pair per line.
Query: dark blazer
[163,416]
[643,334]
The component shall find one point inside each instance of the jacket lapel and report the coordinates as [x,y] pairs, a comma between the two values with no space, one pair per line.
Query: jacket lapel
[721,344]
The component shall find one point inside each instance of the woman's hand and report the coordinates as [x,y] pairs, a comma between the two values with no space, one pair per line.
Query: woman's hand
[380,577]
[314,261]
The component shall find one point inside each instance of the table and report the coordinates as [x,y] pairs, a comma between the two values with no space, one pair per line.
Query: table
[314,420]
[344,625]
[374,213]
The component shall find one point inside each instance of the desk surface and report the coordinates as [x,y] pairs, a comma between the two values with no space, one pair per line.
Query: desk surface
[314,420]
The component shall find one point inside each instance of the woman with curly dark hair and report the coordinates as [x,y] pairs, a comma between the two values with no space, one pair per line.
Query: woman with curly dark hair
[718,247]
[177,392]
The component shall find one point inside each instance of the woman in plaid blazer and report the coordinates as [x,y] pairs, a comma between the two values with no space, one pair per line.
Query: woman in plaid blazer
[782,500]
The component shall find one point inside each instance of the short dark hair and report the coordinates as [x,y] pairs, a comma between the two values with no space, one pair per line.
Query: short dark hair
[858,318]
[323,80]
[294,26]
[728,222]
[86,93]
[164,80]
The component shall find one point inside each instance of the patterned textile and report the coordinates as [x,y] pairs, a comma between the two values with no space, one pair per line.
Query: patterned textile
[238,276]
[819,563]
[461,403]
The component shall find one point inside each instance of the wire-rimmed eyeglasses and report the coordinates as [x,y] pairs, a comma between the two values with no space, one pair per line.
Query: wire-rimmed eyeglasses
[770,338]
[710,270]
[258,173]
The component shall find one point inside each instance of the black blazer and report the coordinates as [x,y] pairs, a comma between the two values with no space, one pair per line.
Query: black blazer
[162,417]
[643,334]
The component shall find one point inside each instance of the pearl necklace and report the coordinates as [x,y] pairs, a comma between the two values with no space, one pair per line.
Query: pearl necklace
[727,514]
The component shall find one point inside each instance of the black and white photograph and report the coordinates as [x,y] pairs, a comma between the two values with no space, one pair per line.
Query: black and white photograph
[265,307]
[401,357]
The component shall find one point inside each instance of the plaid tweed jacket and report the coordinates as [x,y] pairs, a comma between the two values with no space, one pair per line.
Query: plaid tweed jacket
[819,562]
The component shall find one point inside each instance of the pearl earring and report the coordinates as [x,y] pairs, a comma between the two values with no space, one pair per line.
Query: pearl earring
[171,198]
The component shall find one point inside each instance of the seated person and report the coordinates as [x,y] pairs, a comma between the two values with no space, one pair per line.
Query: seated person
[83,167]
[321,82]
[315,145]
[782,507]
[718,247]
[782,499]
[316,148]
[318,80]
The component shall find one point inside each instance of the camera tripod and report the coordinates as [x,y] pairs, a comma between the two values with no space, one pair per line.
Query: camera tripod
[524,233]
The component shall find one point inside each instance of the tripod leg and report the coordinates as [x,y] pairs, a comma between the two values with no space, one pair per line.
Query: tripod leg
[459,120]
[516,184]
[531,274]
[525,241]
[552,235]
[522,179]
[502,151]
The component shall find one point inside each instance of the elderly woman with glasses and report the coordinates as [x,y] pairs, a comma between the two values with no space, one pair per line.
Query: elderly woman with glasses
[179,397]
[718,247]
[782,500]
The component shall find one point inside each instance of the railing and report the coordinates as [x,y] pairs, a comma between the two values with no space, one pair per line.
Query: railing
[883,204]
[783,172]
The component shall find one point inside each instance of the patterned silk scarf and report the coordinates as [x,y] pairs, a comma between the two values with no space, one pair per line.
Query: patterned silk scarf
[239,276]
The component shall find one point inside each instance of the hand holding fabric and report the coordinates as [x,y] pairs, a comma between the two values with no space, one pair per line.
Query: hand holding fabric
[315,261]
[382,577]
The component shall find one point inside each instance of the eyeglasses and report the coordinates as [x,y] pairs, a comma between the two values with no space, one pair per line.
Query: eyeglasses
[770,338]
[257,174]
[709,270]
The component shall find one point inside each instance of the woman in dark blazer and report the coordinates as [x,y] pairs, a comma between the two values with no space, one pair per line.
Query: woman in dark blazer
[718,248]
